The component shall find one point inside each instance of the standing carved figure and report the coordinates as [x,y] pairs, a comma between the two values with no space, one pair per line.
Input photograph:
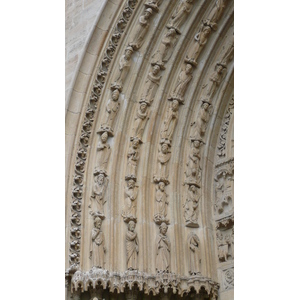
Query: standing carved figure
[112,108]
[216,13]
[161,207]
[191,207]
[124,65]
[132,158]
[129,212]
[97,246]
[163,248]
[132,247]
[151,85]
[183,80]
[200,40]
[98,194]
[199,126]
[141,30]
[163,53]
[195,260]
[170,121]
[228,53]
[193,164]
[139,121]
[104,151]
[163,159]
[180,15]
[222,247]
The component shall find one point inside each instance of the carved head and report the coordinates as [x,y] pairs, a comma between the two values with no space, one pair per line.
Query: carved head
[193,188]
[143,107]
[206,31]
[175,105]
[104,137]
[164,148]
[155,69]
[148,13]
[188,69]
[171,32]
[131,226]
[163,228]
[128,52]
[219,68]
[100,179]
[135,143]
[131,183]
[115,94]
[97,222]
[161,186]
[196,144]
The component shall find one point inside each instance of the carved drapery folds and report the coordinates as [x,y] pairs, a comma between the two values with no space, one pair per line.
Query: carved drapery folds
[194,254]
[131,192]
[163,250]
[132,247]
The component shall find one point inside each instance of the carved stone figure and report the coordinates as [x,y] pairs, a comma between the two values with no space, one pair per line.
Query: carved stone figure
[112,108]
[161,204]
[228,53]
[191,207]
[132,247]
[183,80]
[103,151]
[129,212]
[97,246]
[222,247]
[215,14]
[194,259]
[199,126]
[141,30]
[170,121]
[132,158]
[140,121]
[200,40]
[163,159]
[163,53]
[193,164]
[98,193]
[180,14]
[153,4]
[151,85]
[124,66]
[215,80]
[163,248]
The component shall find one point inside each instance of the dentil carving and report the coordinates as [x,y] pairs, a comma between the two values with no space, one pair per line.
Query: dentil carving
[163,248]
[161,204]
[151,85]
[124,66]
[133,158]
[170,121]
[200,40]
[141,30]
[164,52]
[140,121]
[103,151]
[132,247]
[194,253]
[183,80]
[131,191]
[191,207]
[180,14]
[199,126]
[112,108]
[97,247]
[98,193]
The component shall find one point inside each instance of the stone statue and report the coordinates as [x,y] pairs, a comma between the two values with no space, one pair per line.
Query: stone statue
[112,108]
[215,13]
[163,248]
[163,53]
[132,247]
[97,246]
[163,158]
[139,121]
[141,30]
[193,164]
[194,259]
[133,158]
[129,212]
[170,121]
[161,204]
[222,247]
[103,151]
[124,66]
[228,53]
[98,194]
[183,80]
[215,80]
[180,14]
[151,85]
[200,40]
[200,125]
[191,207]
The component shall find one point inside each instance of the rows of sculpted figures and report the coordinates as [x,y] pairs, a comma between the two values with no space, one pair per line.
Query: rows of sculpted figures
[176,99]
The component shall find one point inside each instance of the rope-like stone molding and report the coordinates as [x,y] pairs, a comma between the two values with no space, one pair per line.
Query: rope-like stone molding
[77,190]
[84,281]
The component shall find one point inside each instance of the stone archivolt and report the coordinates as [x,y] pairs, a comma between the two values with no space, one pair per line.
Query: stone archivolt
[160,203]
